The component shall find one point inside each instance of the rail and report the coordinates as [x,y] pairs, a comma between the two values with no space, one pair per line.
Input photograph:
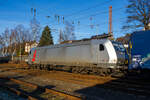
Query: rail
[34,86]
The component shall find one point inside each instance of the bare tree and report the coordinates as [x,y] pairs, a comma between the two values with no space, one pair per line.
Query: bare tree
[11,39]
[1,41]
[21,37]
[62,36]
[6,41]
[14,42]
[138,14]
[2,44]
[69,31]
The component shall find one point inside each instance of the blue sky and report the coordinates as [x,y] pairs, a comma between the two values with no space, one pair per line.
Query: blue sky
[14,12]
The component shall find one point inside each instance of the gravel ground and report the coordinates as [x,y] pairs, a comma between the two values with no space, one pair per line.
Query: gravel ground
[92,92]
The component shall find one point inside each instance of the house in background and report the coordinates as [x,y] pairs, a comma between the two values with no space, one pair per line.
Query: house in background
[29,45]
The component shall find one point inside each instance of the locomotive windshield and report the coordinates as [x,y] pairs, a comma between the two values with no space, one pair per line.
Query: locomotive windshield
[118,46]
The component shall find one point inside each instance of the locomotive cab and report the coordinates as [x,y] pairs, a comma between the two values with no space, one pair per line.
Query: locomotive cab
[120,52]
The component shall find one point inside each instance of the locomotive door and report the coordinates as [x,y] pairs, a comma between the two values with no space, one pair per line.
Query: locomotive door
[95,53]
[100,54]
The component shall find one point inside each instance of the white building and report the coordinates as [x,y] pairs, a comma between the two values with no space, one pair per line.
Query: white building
[30,45]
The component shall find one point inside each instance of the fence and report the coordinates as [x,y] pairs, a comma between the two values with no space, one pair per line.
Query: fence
[18,59]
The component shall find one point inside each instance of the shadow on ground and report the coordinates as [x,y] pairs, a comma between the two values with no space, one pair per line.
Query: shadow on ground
[133,86]
[5,83]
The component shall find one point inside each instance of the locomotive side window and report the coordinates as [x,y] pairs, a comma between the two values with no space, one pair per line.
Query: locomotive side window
[101,47]
[30,52]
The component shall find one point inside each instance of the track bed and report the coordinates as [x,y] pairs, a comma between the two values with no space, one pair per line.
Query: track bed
[91,87]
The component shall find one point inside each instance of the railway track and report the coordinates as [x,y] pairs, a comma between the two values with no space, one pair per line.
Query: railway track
[31,96]
[75,75]
[118,84]
[16,91]
[129,88]
[19,93]
[124,85]
[64,74]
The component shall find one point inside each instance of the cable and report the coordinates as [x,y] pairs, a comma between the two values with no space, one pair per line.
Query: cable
[97,13]
[87,8]
[69,15]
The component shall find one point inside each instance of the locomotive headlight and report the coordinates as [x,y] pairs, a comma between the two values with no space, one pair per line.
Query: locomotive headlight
[134,59]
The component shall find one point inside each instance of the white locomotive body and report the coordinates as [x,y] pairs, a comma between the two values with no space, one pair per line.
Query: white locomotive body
[100,53]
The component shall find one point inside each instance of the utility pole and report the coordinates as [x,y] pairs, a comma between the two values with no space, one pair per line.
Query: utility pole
[110,23]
